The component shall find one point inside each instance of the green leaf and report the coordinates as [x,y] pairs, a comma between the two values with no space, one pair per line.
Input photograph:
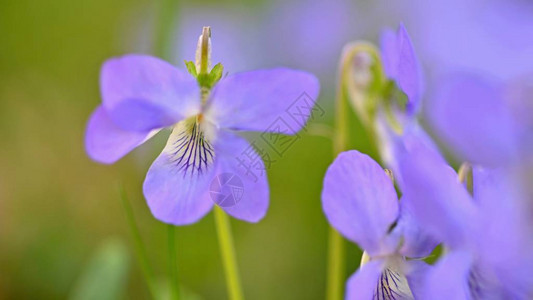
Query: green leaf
[191,67]
[105,276]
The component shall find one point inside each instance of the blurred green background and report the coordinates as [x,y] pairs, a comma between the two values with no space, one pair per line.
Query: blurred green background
[62,224]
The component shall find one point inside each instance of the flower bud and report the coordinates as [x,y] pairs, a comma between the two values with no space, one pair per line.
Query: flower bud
[203,51]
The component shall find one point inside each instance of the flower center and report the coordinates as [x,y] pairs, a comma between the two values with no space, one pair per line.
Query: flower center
[190,146]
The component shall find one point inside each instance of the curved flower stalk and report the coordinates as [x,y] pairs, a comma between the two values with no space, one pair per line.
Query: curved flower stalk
[385,87]
[142,95]
[488,235]
[360,201]
[387,82]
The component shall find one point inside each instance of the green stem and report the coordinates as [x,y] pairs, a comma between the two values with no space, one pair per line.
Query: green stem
[140,251]
[336,257]
[227,250]
[165,26]
[335,265]
[173,264]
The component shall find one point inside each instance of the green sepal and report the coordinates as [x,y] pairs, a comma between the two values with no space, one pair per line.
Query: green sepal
[216,73]
[191,68]
[209,80]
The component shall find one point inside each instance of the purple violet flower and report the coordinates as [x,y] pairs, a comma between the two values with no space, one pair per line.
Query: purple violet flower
[491,37]
[488,236]
[142,95]
[484,121]
[404,71]
[359,200]
[318,31]
[469,113]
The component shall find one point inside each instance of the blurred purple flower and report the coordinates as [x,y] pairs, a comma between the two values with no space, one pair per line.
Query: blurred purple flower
[488,236]
[402,66]
[487,36]
[310,34]
[360,201]
[392,143]
[143,94]
[481,121]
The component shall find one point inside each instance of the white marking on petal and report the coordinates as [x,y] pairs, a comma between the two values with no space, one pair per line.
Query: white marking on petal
[189,147]
[392,285]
